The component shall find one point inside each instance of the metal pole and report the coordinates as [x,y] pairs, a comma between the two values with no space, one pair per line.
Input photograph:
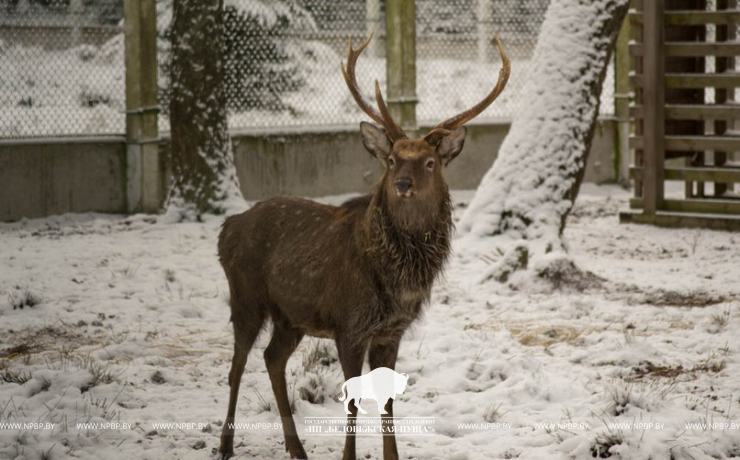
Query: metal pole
[485,30]
[372,24]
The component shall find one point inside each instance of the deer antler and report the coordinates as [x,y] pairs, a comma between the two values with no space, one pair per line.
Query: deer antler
[393,131]
[464,117]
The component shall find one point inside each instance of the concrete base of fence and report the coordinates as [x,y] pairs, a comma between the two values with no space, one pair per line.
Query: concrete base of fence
[331,162]
[55,176]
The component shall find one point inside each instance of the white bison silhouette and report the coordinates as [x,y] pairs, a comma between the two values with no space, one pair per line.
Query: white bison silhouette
[379,384]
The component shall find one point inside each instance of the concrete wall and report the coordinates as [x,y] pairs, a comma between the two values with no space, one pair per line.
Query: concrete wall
[305,163]
[53,176]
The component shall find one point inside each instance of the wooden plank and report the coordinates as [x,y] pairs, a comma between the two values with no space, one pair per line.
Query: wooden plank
[653,99]
[709,174]
[705,206]
[694,112]
[682,220]
[693,143]
[689,80]
[688,49]
[692,17]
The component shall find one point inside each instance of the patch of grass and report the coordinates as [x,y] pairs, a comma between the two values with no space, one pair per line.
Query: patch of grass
[545,335]
[169,275]
[101,372]
[564,274]
[20,299]
[664,298]
[720,320]
[473,372]
[130,270]
[10,376]
[104,405]
[319,357]
[647,369]
[643,395]
[262,404]
[158,378]
[312,389]
[493,412]
[605,441]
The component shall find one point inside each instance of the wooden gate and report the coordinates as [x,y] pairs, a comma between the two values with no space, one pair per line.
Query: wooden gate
[683,53]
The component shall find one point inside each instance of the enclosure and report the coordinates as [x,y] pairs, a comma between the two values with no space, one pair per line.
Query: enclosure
[560,326]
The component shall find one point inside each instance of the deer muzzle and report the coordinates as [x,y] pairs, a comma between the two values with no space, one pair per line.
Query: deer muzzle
[403,186]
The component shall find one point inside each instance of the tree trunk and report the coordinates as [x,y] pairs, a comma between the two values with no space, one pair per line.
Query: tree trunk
[204,177]
[523,201]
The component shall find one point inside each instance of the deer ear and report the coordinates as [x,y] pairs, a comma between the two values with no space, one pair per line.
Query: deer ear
[451,145]
[375,140]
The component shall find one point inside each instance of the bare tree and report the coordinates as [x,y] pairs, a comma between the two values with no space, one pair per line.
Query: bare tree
[523,201]
[203,174]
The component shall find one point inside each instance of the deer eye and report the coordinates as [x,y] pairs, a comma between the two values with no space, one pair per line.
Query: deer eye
[391,162]
[430,164]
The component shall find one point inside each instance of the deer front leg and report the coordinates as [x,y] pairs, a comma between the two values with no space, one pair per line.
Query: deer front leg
[385,356]
[351,356]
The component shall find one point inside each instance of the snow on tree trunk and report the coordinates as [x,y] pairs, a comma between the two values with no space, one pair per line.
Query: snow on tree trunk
[203,173]
[523,201]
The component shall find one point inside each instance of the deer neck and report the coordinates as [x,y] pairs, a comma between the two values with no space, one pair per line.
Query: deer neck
[408,258]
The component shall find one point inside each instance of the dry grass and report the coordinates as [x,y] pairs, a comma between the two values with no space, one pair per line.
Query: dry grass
[648,370]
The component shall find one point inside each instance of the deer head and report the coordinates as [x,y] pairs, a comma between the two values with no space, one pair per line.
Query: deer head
[413,167]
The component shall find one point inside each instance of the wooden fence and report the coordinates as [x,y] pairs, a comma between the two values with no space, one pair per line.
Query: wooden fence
[677,134]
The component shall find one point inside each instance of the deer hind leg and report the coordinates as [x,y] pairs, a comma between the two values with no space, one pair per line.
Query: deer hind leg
[351,357]
[384,355]
[247,326]
[285,340]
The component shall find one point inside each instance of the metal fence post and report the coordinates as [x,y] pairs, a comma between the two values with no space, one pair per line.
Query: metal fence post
[372,24]
[143,176]
[400,32]
[485,30]
[621,104]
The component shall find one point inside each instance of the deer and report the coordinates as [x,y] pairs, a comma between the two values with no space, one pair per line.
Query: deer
[359,273]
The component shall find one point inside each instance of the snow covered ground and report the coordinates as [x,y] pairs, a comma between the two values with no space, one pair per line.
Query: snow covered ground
[129,325]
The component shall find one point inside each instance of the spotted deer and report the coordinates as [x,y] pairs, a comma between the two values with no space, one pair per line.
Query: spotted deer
[359,273]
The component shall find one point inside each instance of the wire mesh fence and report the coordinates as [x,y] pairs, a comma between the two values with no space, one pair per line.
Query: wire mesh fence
[63,61]
[61,69]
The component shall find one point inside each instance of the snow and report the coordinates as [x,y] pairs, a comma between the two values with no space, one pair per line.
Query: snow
[131,326]
[524,196]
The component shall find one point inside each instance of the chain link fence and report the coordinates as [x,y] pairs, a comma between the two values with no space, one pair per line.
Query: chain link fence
[61,69]
[63,62]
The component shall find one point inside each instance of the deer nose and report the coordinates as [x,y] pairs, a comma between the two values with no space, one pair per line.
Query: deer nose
[404,184]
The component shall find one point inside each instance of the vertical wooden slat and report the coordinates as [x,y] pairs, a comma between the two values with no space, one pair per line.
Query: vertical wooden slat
[654,103]
[694,96]
[721,96]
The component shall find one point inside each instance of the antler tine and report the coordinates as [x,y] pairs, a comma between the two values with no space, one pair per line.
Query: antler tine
[503,77]
[349,78]
[392,129]
[383,118]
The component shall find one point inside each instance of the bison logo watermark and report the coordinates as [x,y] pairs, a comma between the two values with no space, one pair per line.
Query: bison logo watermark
[379,384]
